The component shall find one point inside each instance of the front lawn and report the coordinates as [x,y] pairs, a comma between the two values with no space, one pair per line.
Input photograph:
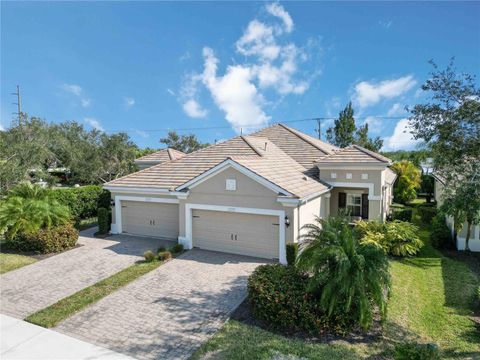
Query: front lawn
[432,301]
[9,262]
[54,314]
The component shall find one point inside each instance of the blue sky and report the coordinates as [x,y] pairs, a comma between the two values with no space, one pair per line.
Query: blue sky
[228,67]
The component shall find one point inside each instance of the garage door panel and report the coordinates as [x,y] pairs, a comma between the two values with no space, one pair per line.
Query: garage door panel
[256,235]
[150,219]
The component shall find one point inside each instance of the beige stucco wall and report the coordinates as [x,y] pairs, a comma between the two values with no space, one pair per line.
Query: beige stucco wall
[375,177]
[306,214]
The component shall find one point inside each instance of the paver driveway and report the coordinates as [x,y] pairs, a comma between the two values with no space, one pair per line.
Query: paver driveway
[36,286]
[169,312]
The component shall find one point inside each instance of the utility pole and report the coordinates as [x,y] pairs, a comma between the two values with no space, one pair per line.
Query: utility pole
[319,129]
[19,105]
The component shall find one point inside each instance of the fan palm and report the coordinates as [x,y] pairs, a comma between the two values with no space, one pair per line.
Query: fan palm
[28,209]
[349,277]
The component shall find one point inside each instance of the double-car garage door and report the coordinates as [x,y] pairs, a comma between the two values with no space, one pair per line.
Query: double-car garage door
[231,232]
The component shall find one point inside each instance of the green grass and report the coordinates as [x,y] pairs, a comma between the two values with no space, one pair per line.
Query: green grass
[9,262]
[87,223]
[432,301]
[239,341]
[54,314]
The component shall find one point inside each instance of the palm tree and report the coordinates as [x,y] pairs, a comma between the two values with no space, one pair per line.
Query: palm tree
[29,208]
[349,277]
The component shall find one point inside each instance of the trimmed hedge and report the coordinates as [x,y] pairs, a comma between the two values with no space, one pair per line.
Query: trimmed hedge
[103,220]
[47,240]
[278,296]
[82,201]
[427,213]
[291,252]
[440,234]
[402,215]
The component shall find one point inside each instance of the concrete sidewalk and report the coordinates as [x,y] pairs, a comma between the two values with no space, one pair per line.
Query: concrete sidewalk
[22,340]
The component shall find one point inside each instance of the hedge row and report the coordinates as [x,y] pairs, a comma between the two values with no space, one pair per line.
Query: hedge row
[83,201]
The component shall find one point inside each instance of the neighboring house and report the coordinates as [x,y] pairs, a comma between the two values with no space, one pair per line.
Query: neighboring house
[252,194]
[158,157]
[474,242]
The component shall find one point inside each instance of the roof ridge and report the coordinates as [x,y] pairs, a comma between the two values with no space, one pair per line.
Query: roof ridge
[169,152]
[300,135]
[244,138]
[371,153]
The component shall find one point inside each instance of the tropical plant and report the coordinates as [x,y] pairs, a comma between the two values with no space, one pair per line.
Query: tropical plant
[349,276]
[409,176]
[28,208]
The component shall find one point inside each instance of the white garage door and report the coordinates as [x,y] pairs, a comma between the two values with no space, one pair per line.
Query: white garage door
[150,219]
[245,234]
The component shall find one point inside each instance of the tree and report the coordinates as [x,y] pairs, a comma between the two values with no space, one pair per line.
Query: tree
[417,157]
[345,133]
[351,277]
[449,123]
[409,179]
[184,143]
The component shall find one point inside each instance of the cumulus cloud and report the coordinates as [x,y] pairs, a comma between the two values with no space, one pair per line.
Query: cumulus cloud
[270,66]
[78,92]
[128,102]
[375,124]
[369,93]
[396,109]
[193,109]
[94,123]
[401,139]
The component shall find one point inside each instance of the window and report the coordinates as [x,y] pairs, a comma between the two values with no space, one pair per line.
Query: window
[364,176]
[231,185]
[349,175]
[333,175]
[354,204]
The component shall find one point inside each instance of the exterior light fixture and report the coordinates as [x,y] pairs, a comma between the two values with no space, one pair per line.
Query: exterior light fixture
[287,221]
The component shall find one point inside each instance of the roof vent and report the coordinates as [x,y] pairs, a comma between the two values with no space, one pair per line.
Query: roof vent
[266,146]
[304,178]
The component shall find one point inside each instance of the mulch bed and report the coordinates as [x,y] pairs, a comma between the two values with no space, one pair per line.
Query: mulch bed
[244,315]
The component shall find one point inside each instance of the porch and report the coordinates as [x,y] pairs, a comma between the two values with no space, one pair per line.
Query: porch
[358,203]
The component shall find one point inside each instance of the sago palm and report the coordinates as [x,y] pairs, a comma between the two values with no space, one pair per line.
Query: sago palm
[347,276]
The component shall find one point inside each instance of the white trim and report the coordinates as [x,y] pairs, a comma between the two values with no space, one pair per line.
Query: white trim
[351,166]
[225,165]
[370,187]
[188,239]
[144,190]
[288,202]
[117,229]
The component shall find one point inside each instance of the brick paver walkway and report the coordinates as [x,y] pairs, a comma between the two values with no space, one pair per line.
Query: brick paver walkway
[36,286]
[169,312]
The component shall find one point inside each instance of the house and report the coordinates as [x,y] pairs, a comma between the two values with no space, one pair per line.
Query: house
[474,241]
[158,157]
[251,194]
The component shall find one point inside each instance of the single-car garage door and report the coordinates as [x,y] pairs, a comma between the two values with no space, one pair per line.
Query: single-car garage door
[150,219]
[237,233]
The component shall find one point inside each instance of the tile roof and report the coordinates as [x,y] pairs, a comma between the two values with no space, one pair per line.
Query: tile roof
[354,154]
[161,156]
[302,148]
[390,176]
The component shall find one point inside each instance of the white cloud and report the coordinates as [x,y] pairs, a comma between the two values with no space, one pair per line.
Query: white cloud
[142,133]
[128,102]
[78,92]
[171,92]
[94,123]
[1,127]
[396,109]
[277,10]
[375,125]
[368,93]
[401,139]
[234,93]
[193,109]
[271,64]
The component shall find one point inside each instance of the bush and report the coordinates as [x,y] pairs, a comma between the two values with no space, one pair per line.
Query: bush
[47,240]
[402,215]
[82,201]
[177,248]
[427,213]
[278,296]
[292,251]
[103,220]
[161,249]
[415,351]
[164,255]
[149,256]
[440,234]
[104,199]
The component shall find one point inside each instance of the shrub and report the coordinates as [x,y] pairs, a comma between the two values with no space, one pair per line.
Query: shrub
[164,255]
[82,201]
[103,220]
[404,189]
[401,238]
[149,256]
[161,249]
[427,213]
[291,252]
[402,215]
[415,351]
[104,199]
[440,235]
[47,240]
[352,277]
[177,248]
